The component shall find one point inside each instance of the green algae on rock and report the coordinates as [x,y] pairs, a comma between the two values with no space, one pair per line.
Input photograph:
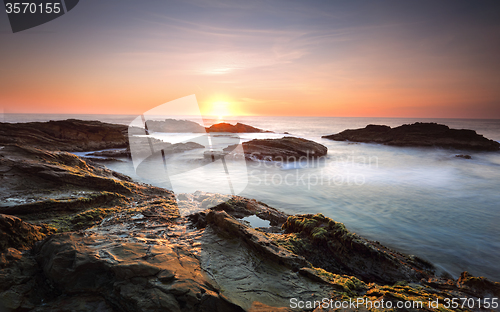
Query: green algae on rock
[329,245]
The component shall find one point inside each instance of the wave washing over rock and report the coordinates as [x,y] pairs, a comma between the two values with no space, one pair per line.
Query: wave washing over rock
[75,236]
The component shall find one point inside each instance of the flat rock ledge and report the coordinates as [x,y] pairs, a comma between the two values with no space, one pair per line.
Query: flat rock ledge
[418,134]
[65,135]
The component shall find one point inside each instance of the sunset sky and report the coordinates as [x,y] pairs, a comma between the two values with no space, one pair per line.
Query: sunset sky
[284,58]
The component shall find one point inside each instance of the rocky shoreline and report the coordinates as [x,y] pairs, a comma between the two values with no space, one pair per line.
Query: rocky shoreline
[75,236]
[65,135]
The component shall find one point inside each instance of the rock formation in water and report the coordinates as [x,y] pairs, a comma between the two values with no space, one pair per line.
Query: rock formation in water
[418,134]
[238,128]
[174,126]
[74,135]
[284,149]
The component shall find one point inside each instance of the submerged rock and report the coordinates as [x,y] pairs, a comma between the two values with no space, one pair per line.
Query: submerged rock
[284,149]
[418,134]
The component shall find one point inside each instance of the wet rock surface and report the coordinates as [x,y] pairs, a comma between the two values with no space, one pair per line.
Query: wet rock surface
[236,206]
[418,134]
[130,274]
[284,149]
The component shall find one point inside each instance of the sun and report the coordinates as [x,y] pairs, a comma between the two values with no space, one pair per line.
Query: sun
[220,109]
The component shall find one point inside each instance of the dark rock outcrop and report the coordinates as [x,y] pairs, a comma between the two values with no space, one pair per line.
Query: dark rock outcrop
[284,149]
[17,236]
[478,286]
[111,153]
[236,206]
[418,134]
[238,128]
[174,126]
[329,245]
[65,135]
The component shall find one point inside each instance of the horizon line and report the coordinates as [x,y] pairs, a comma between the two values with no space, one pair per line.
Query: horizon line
[246,116]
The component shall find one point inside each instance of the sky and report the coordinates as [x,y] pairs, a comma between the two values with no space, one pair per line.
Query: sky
[434,59]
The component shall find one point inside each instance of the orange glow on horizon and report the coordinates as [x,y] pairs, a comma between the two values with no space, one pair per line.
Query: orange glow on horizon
[391,66]
[357,101]
[220,109]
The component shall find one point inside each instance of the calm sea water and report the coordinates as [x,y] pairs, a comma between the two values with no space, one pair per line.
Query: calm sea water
[421,201]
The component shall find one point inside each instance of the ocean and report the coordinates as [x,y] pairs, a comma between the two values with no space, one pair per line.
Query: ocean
[420,201]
